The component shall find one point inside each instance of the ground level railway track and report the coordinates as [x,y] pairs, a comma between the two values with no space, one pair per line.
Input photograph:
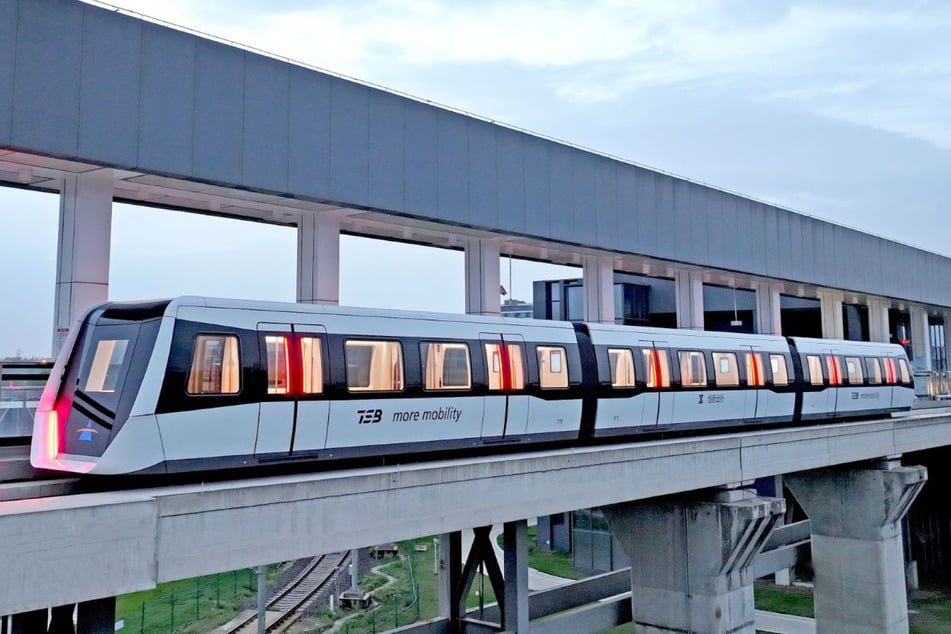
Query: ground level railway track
[293,598]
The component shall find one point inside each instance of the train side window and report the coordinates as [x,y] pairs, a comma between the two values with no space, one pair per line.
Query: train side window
[552,370]
[216,367]
[693,368]
[506,368]
[622,367]
[874,370]
[777,363]
[853,367]
[754,369]
[658,367]
[445,366]
[278,364]
[903,370]
[726,371]
[312,365]
[106,365]
[815,369]
[374,366]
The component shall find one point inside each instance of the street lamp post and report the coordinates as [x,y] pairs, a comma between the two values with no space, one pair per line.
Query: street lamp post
[435,555]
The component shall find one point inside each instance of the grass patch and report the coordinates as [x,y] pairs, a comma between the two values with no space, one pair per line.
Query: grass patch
[191,605]
[929,611]
[793,600]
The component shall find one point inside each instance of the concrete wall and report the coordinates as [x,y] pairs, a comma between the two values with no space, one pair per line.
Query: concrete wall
[81,82]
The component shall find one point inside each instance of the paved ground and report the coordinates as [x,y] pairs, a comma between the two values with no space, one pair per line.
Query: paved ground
[783,623]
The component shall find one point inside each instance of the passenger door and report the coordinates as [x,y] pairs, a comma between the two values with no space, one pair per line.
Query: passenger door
[313,408]
[659,404]
[506,406]
[277,408]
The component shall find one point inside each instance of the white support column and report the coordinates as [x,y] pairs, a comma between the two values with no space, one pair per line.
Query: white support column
[598,289]
[482,278]
[515,538]
[947,341]
[830,305]
[878,326]
[920,338]
[318,259]
[82,259]
[768,313]
[688,288]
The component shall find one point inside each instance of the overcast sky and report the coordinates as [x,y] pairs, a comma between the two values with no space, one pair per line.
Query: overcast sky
[837,109]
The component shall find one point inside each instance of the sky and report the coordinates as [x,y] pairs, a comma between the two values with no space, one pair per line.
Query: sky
[835,108]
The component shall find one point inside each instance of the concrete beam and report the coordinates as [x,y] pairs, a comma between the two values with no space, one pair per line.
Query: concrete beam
[691,558]
[141,537]
[318,259]
[82,256]
[482,278]
[830,307]
[855,516]
[598,273]
[688,289]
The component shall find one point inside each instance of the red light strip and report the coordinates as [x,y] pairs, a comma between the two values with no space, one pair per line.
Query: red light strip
[754,363]
[655,368]
[506,368]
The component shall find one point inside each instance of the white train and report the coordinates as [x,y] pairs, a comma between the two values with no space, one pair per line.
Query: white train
[202,384]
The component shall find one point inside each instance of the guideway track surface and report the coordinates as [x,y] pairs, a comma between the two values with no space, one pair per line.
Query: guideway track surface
[294,597]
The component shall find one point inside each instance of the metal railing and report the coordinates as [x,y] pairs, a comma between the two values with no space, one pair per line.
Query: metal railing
[21,385]
[933,384]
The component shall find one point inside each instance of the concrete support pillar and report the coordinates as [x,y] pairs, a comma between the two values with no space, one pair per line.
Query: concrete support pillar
[318,259]
[691,559]
[688,288]
[768,314]
[878,326]
[598,289]
[830,306]
[482,278]
[855,514]
[920,338]
[515,612]
[96,617]
[82,258]
[450,569]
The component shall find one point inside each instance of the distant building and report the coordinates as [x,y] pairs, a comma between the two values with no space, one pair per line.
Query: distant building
[517,308]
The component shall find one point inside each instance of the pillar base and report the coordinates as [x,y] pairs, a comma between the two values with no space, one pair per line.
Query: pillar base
[855,515]
[691,559]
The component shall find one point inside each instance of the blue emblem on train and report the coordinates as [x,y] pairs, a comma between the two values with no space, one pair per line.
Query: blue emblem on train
[86,433]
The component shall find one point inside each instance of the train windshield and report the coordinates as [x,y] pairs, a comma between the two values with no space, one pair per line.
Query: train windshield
[104,365]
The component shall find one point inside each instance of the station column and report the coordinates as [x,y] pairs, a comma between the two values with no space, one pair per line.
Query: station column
[318,259]
[878,320]
[920,338]
[691,558]
[688,288]
[768,313]
[482,277]
[599,289]
[830,305]
[82,259]
[855,514]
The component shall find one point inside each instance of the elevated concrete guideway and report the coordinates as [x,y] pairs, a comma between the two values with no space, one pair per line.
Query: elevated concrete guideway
[56,551]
